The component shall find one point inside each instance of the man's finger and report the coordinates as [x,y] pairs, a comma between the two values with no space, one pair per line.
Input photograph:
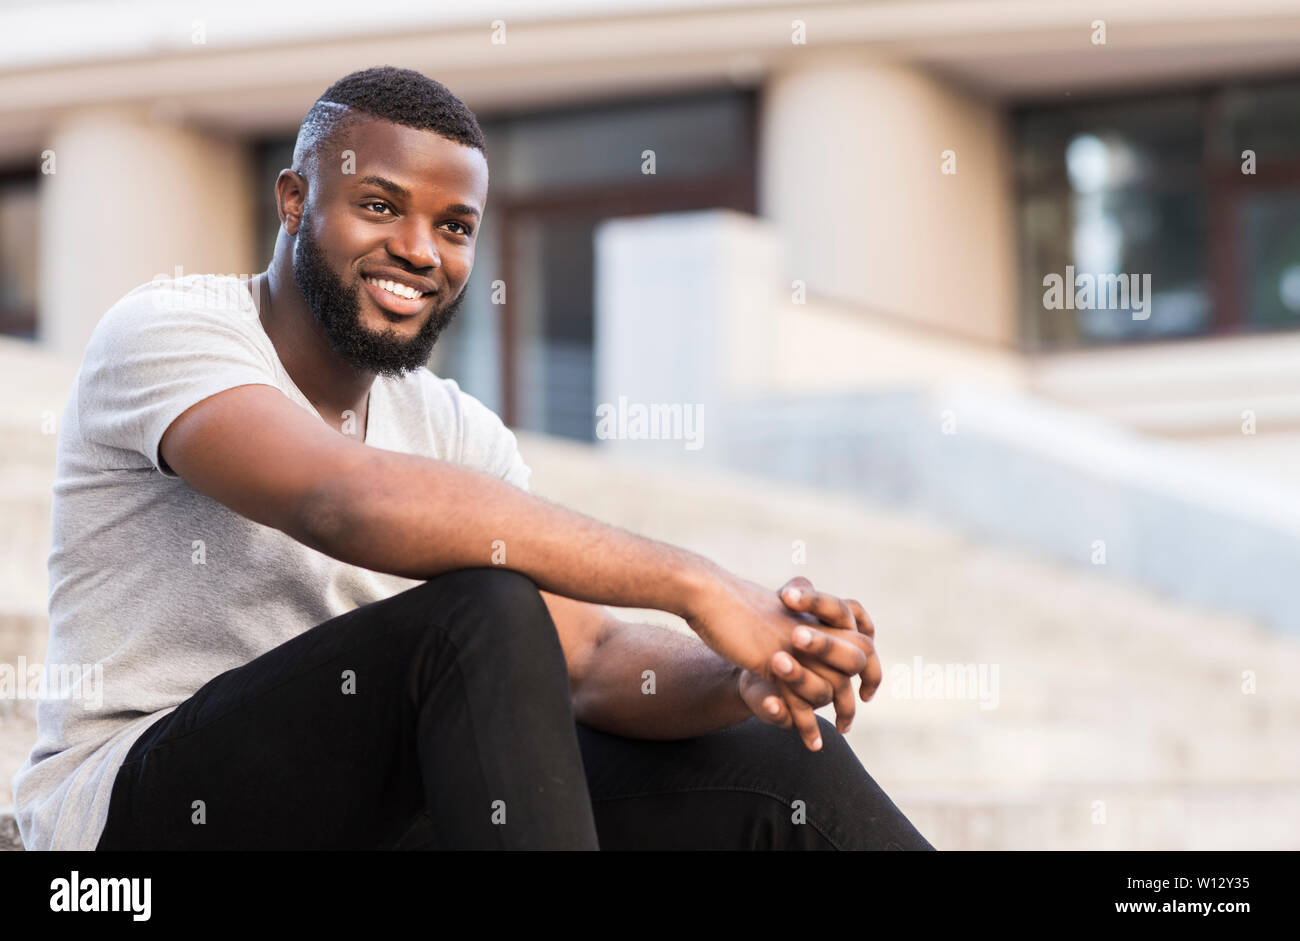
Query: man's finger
[797,582]
[810,687]
[842,691]
[860,614]
[865,663]
[775,708]
[805,720]
[873,673]
[871,677]
[836,652]
[827,608]
[764,699]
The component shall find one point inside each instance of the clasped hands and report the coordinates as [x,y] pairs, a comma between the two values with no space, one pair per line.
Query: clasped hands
[798,650]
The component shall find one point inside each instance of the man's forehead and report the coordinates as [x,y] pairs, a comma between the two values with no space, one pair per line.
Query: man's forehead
[414,158]
[378,138]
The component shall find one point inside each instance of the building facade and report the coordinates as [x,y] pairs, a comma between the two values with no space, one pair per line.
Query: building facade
[732,205]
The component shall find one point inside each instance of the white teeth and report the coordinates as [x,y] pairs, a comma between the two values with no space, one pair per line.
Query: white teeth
[392,287]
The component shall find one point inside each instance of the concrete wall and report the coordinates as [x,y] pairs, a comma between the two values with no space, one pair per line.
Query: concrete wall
[850,162]
[685,307]
[1236,397]
[132,197]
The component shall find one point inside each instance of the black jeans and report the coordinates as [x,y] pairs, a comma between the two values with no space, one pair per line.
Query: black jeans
[441,718]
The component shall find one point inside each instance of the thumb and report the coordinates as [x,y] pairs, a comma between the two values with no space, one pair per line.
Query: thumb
[760,696]
[796,593]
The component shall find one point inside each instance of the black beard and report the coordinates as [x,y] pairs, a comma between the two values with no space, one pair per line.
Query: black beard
[338,310]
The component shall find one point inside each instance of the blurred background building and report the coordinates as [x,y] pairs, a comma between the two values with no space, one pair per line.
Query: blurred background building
[818,233]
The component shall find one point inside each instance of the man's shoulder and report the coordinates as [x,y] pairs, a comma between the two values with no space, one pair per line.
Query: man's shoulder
[219,302]
[194,295]
[161,332]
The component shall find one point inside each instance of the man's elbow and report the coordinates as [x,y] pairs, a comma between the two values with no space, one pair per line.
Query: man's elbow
[323,518]
[587,679]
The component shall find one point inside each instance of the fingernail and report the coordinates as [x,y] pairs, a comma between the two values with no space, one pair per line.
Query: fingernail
[773,706]
[817,743]
[794,594]
[783,662]
[802,636]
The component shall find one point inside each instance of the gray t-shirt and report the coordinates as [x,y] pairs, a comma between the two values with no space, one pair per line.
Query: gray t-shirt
[156,588]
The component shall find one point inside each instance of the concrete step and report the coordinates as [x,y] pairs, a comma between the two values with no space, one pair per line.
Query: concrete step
[26,478]
[1106,816]
[991,753]
[9,838]
[24,634]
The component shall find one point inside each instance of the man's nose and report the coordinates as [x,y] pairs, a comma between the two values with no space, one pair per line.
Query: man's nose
[414,243]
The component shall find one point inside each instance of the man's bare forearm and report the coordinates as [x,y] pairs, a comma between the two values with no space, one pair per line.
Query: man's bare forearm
[418,518]
[649,682]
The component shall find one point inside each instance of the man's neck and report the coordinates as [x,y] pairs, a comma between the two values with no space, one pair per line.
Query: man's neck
[330,384]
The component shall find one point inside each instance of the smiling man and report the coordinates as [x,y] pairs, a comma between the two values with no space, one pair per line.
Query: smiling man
[329,612]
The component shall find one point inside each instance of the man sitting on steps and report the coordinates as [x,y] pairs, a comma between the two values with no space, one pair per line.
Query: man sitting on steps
[328,610]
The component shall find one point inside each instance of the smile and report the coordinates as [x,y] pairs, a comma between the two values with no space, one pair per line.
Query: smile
[392,287]
[395,298]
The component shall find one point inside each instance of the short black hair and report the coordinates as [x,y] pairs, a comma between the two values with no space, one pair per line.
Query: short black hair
[402,96]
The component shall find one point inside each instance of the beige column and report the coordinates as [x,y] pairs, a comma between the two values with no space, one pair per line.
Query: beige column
[851,157]
[130,198]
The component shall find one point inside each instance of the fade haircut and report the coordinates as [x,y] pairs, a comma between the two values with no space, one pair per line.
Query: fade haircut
[402,96]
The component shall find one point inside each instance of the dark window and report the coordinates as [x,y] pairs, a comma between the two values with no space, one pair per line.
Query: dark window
[1154,187]
[19,239]
[270,157]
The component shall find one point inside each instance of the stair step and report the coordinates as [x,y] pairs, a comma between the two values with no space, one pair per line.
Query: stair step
[9,838]
[23,633]
[1105,816]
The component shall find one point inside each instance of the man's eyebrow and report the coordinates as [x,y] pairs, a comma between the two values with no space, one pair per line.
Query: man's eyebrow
[395,189]
[386,185]
[462,209]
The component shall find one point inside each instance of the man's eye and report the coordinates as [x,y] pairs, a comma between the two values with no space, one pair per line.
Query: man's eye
[375,203]
[465,230]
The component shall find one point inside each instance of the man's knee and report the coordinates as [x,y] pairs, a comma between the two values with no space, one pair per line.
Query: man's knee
[780,757]
[834,790]
[492,609]
[490,589]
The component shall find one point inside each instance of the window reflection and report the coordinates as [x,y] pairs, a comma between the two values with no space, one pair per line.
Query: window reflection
[1111,214]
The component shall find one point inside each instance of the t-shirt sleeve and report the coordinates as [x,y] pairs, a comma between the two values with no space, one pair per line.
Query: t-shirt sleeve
[487,444]
[152,356]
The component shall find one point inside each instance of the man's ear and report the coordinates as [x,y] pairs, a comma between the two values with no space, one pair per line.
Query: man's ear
[290,197]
